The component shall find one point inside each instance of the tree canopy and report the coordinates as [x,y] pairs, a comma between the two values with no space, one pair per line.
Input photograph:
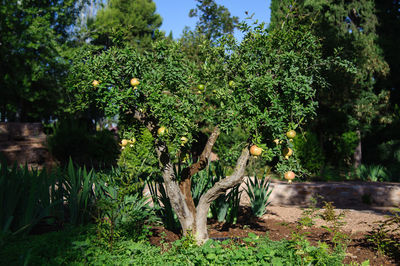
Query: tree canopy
[126,22]
[32,40]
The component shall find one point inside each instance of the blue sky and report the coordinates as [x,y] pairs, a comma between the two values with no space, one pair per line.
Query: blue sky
[175,13]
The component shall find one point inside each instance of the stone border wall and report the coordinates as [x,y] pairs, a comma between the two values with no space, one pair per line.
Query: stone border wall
[342,194]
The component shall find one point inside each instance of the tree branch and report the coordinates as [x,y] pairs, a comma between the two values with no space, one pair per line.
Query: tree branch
[188,172]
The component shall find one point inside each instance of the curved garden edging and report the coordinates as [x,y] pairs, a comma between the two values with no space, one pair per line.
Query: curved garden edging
[342,194]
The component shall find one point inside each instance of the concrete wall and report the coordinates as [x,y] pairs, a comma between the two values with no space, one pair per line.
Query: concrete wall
[342,194]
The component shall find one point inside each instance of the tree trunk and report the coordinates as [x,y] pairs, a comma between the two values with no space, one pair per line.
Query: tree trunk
[193,219]
[221,187]
[187,173]
[358,152]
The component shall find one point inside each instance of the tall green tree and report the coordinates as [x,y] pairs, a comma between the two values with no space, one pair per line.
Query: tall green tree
[353,101]
[126,22]
[388,14]
[32,40]
[214,20]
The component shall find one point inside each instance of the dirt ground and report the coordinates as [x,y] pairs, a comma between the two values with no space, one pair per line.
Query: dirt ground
[279,222]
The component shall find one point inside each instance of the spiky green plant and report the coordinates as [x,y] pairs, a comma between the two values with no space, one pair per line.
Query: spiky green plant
[259,191]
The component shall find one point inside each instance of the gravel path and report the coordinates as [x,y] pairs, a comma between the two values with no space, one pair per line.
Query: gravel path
[356,220]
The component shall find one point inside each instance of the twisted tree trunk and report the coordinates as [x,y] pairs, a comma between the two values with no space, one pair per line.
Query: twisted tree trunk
[192,219]
[219,188]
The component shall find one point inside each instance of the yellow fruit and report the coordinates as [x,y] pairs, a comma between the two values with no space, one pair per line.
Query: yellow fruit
[276,141]
[132,140]
[135,82]
[287,152]
[162,131]
[124,142]
[184,140]
[289,175]
[255,150]
[291,134]
[95,83]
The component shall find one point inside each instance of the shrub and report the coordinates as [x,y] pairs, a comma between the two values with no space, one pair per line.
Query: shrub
[258,192]
[309,152]
[73,139]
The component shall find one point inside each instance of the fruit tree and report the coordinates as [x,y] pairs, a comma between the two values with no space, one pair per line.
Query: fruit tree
[265,84]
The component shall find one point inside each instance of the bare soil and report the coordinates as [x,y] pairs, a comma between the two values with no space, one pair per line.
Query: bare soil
[279,223]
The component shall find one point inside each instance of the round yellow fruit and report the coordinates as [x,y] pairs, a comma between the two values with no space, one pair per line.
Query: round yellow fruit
[289,175]
[255,150]
[124,142]
[135,82]
[162,131]
[184,140]
[95,83]
[291,134]
[287,152]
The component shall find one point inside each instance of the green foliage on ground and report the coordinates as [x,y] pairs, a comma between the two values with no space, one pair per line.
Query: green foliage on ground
[66,195]
[79,246]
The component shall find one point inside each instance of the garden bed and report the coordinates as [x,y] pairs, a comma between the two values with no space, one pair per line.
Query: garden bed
[277,228]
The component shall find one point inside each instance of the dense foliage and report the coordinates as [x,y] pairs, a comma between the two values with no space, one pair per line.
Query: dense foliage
[134,23]
[79,246]
[33,45]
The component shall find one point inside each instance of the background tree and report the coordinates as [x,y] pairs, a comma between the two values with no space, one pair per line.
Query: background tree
[33,36]
[214,20]
[352,102]
[126,22]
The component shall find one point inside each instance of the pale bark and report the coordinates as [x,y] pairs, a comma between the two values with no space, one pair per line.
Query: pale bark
[178,203]
[187,173]
[220,187]
[358,152]
[193,219]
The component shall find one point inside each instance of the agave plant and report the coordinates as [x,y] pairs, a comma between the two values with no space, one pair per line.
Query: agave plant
[258,191]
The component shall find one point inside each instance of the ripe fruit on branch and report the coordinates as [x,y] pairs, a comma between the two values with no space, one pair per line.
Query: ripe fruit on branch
[255,150]
[291,134]
[135,82]
[95,83]
[132,140]
[124,142]
[287,152]
[162,131]
[289,176]
[184,140]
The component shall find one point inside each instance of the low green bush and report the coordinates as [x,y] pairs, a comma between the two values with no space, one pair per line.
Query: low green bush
[73,139]
[309,152]
[78,246]
[29,196]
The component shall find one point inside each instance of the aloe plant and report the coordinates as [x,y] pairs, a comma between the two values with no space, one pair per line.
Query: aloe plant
[258,192]
[226,206]
[80,195]
[26,196]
